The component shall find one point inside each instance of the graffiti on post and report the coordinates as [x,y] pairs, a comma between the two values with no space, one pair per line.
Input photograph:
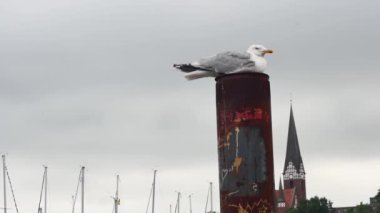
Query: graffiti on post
[244,164]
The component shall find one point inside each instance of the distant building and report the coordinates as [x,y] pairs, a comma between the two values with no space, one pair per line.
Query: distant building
[294,173]
[344,209]
[353,209]
[370,208]
[374,202]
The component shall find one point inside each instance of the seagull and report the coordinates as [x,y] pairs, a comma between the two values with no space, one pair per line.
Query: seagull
[227,62]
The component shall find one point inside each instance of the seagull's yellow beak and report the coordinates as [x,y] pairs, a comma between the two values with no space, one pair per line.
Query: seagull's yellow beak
[267,51]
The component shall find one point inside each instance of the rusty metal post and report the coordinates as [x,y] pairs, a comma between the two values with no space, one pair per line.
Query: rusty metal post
[245,149]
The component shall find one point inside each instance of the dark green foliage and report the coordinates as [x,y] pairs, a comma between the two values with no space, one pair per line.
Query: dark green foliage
[377,198]
[322,205]
[362,208]
[314,205]
[291,210]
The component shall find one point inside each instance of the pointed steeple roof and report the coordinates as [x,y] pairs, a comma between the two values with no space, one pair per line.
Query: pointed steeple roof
[281,197]
[293,153]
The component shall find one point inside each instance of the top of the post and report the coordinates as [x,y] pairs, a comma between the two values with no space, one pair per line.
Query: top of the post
[243,74]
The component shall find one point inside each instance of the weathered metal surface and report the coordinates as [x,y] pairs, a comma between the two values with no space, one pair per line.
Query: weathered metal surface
[245,147]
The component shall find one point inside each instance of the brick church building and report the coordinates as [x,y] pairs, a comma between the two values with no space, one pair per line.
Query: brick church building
[292,189]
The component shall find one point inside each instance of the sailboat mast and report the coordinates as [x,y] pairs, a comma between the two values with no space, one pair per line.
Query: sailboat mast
[5,185]
[154,189]
[212,211]
[178,200]
[191,211]
[82,189]
[45,189]
[117,194]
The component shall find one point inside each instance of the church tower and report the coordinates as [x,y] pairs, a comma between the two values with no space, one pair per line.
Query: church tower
[294,172]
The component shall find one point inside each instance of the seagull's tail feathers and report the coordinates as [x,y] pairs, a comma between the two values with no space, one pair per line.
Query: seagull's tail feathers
[190,68]
[199,74]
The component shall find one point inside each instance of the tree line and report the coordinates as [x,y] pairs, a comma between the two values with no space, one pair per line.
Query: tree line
[323,205]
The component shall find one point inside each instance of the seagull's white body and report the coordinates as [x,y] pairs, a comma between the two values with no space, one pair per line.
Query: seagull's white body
[260,63]
[227,62]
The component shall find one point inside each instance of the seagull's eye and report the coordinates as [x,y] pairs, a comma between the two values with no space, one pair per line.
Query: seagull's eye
[257,48]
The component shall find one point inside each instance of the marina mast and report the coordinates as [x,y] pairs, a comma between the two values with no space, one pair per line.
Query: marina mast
[116,198]
[82,169]
[212,211]
[45,189]
[154,189]
[5,184]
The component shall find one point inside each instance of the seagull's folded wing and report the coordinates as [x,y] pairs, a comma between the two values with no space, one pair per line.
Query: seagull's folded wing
[225,62]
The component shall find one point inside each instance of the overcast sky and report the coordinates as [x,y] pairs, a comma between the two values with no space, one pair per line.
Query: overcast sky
[91,83]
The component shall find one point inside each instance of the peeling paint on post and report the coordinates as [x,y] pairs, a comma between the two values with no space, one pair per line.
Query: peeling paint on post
[245,149]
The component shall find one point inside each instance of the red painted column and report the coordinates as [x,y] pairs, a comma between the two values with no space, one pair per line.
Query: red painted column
[245,149]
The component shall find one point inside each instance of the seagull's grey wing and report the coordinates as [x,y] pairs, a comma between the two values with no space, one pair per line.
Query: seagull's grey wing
[225,62]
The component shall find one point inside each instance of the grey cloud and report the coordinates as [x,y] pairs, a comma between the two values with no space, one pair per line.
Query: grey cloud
[91,82]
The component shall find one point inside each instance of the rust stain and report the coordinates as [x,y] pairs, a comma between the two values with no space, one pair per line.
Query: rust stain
[237,163]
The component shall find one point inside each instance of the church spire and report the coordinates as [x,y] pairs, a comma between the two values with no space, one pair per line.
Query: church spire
[294,172]
[293,154]
[281,193]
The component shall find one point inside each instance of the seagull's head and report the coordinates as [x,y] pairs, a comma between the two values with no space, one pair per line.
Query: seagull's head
[258,50]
